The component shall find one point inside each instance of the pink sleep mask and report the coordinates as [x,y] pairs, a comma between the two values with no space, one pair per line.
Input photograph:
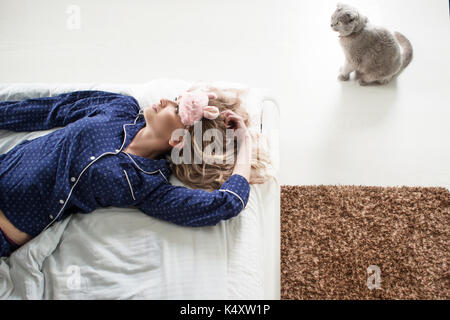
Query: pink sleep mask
[193,106]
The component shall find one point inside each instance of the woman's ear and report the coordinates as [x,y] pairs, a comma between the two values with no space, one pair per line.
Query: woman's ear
[177,140]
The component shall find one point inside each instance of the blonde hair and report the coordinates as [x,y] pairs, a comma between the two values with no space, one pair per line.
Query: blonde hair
[211,175]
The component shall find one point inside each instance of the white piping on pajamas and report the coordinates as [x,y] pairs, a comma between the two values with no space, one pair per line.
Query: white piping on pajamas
[147,172]
[71,189]
[141,111]
[129,124]
[232,192]
[131,189]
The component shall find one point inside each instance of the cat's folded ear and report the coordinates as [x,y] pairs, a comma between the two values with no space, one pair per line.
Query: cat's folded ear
[363,19]
[350,15]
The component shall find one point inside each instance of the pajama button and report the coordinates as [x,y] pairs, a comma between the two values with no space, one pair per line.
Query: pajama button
[51,217]
[92,158]
[61,201]
[73,179]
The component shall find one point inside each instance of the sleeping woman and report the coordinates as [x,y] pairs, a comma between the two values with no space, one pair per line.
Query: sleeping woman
[110,152]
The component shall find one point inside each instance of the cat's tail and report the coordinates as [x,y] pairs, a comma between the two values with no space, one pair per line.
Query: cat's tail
[407,50]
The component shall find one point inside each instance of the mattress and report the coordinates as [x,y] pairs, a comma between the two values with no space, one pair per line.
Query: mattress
[120,253]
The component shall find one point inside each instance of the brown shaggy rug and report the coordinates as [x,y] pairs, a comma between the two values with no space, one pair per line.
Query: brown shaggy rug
[330,235]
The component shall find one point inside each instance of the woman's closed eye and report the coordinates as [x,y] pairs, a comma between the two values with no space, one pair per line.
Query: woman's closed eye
[164,103]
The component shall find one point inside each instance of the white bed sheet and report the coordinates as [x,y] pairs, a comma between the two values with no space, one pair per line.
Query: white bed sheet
[117,253]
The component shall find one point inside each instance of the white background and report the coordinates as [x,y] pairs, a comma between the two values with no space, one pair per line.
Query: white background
[331,132]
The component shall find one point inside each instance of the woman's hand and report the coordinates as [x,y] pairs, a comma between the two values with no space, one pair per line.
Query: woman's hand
[244,156]
[236,122]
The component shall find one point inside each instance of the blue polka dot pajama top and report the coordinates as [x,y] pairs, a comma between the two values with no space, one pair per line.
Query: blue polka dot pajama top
[82,166]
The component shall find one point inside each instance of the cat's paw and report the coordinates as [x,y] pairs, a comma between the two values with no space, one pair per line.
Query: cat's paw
[343,77]
[363,83]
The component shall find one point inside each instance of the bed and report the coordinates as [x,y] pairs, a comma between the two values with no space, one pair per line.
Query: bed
[120,253]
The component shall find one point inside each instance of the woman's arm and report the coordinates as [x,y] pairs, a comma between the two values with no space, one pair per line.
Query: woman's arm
[195,207]
[177,204]
[58,111]
[244,156]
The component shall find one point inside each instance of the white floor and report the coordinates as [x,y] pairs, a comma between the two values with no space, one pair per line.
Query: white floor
[331,132]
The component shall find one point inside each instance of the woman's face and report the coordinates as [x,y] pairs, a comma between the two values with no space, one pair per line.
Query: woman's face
[163,119]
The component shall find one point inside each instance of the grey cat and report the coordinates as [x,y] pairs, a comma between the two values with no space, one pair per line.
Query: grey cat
[372,52]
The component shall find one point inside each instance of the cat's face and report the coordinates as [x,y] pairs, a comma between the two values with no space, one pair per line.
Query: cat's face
[346,19]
